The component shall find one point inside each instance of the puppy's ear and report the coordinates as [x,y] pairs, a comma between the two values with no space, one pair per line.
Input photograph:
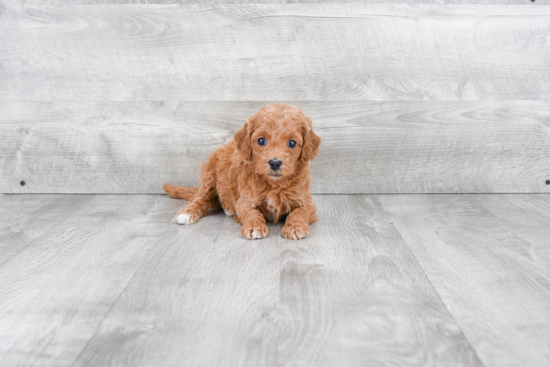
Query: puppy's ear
[310,149]
[243,139]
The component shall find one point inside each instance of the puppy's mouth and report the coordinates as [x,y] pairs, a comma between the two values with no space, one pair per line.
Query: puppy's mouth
[275,174]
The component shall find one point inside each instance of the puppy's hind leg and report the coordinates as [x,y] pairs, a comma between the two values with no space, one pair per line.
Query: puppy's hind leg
[205,198]
[197,209]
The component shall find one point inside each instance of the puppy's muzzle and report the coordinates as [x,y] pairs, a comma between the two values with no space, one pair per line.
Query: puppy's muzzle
[275,164]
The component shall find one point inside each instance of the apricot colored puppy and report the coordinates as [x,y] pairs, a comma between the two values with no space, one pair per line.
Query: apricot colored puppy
[263,173]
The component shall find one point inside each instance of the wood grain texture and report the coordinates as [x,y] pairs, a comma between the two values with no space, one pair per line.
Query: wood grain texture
[352,294]
[206,297]
[368,147]
[496,283]
[527,217]
[35,216]
[56,291]
[273,52]
[15,207]
[121,285]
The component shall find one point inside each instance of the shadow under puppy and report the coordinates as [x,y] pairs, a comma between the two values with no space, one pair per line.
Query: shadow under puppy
[263,173]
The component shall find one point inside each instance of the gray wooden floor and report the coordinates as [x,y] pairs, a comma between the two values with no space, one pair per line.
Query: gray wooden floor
[382,280]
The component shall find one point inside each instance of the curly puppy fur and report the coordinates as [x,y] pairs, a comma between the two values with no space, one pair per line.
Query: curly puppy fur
[255,179]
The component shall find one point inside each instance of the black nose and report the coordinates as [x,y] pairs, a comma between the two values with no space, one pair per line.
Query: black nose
[275,164]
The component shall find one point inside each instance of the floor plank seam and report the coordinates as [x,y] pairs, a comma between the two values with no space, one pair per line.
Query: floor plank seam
[122,292]
[436,291]
[197,288]
[22,249]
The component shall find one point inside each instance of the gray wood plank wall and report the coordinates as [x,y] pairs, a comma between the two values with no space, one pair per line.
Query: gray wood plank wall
[132,147]
[275,52]
[409,97]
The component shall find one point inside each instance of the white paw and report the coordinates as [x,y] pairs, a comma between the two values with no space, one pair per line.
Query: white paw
[227,212]
[184,219]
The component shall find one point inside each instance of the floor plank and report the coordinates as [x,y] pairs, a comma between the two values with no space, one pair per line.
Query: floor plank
[16,207]
[207,297]
[528,217]
[386,280]
[352,294]
[491,270]
[35,216]
[204,297]
[56,291]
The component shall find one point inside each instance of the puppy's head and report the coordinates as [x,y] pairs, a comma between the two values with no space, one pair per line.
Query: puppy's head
[277,140]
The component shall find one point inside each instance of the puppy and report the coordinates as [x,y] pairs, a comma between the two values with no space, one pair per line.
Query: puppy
[263,173]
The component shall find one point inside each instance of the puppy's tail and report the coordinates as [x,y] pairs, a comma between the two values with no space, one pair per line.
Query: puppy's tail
[178,192]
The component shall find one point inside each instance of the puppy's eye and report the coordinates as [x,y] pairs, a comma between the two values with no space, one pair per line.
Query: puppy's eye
[262,141]
[291,143]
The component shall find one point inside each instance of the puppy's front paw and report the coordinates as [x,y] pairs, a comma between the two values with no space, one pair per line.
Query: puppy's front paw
[295,231]
[254,230]
[186,218]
